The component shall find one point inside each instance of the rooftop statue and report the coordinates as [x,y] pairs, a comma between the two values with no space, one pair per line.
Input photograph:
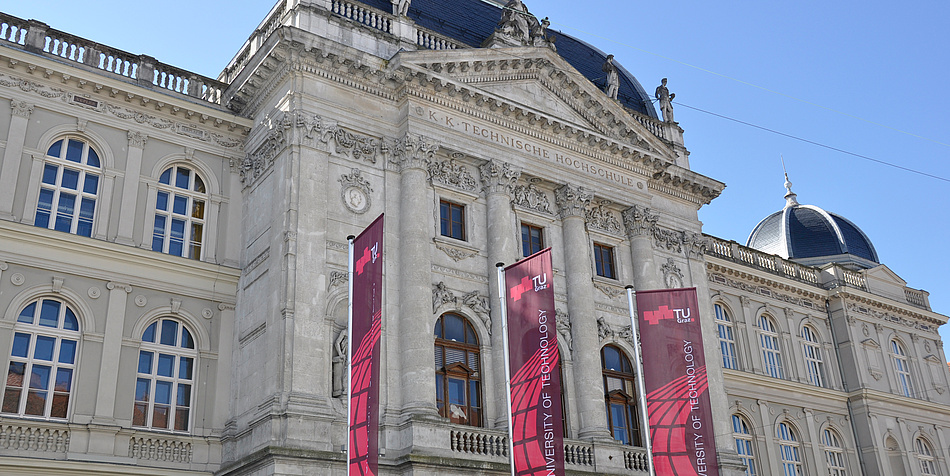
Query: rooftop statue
[666,100]
[613,77]
[401,7]
[518,27]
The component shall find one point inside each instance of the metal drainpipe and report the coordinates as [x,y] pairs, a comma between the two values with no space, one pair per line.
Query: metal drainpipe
[844,382]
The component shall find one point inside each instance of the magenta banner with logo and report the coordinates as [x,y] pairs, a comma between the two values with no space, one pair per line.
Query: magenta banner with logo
[537,432]
[677,391]
[366,299]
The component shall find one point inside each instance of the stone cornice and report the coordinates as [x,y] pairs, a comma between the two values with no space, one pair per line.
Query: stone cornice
[881,307]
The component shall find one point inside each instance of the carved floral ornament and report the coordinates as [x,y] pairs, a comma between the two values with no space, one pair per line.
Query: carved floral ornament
[600,217]
[528,195]
[452,174]
[572,201]
[442,296]
[498,177]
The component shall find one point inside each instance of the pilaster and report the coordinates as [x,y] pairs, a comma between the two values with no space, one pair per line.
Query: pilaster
[111,352]
[129,199]
[12,156]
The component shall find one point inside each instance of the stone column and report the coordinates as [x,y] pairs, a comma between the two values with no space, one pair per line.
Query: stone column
[416,337]
[572,203]
[498,179]
[12,154]
[640,223]
[111,352]
[130,187]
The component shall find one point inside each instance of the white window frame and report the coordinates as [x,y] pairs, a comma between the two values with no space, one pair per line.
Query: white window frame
[925,457]
[727,340]
[790,450]
[771,348]
[177,351]
[84,169]
[744,443]
[905,384]
[834,453]
[811,348]
[169,215]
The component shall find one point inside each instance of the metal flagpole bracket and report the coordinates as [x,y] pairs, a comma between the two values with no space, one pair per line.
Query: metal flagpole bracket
[641,390]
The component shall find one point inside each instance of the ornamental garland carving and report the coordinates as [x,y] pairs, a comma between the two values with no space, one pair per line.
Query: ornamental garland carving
[456,253]
[888,317]
[668,239]
[611,292]
[316,131]
[601,218]
[528,195]
[256,164]
[572,201]
[498,177]
[452,174]
[760,290]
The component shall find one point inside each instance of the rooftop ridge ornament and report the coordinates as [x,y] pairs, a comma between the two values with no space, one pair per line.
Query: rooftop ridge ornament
[791,199]
[518,27]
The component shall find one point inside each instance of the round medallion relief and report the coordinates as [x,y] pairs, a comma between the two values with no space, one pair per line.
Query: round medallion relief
[356,200]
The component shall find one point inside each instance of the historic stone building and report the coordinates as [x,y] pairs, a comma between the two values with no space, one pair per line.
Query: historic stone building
[173,258]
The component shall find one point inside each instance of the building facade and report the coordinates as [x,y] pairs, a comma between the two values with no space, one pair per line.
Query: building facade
[173,259]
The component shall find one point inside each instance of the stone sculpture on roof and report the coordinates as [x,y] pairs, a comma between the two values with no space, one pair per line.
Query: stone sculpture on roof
[401,7]
[518,27]
[613,77]
[666,100]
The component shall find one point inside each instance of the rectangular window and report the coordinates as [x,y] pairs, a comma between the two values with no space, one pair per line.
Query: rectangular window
[532,239]
[604,261]
[452,217]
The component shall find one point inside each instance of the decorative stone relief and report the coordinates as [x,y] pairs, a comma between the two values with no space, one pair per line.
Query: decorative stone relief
[888,317]
[337,278]
[518,27]
[356,192]
[255,164]
[639,221]
[17,279]
[442,295]
[456,253]
[572,201]
[452,174]
[340,351]
[137,139]
[459,274]
[411,151]
[601,218]
[528,196]
[603,329]
[672,275]
[140,300]
[498,177]
[763,291]
[481,305]
[564,327]
[695,244]
[668,239]
[207,313]
[21,108]
[94,292]
[610,291]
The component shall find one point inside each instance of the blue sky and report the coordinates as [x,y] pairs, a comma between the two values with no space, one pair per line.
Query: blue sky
[847,74]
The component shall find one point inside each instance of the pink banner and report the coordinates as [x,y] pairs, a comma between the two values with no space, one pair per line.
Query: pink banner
[537,427]
[677,391]
[367,286]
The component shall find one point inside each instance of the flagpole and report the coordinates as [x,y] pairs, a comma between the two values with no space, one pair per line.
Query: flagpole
[349,349]
[502,297]
[641,390]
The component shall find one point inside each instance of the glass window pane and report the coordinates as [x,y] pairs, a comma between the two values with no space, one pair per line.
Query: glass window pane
[36,403]
[16,375]
[11,400]
[182,178]
[198,209]
[60,405]
[67,351]
[454,329]
[158,234]
[49,313]
[160,417]
[44,348]
[84,225]
[70,179]
[161,201]
[456,391]
[64,212]
[64,380]
[180,205]
[21,345]
[70,323]
[185,367]
[145,362]
[28,314]
[74,151]
[199,184]
[140,414]
[56,149]
[184,395]
[149,334]
[166,365]
[93,158]
[166,177]
[163,392]
[49,174]
[91,184]
[181,419]
[169,332]
[39,377]
[186,340]
[142,387]
[611,359]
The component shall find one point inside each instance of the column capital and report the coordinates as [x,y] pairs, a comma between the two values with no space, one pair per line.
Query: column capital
[21,108]
[639,221]
[572,201]
[498,177]
[412,151]
[112,285]
[137,139]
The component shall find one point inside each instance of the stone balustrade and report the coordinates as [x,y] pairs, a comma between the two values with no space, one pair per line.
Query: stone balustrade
[478,442]
[38,38]
[34,436]
[434,41]
[636,459]
[160,449]
[579,454]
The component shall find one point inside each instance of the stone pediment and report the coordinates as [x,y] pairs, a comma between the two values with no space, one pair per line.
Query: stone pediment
[537,81]
[885,274]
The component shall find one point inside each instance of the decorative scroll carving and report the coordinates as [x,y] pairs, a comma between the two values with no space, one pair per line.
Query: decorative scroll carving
[639,221]
[411,151]
[337,278]
[610,291]
[356,192]
[669,239]
[600,217]
[498,177]
[137,139]
[529,196]
[452,174]
[572,201]
[564,327]
[456,253]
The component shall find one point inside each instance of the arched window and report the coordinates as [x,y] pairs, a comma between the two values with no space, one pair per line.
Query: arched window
[166,375]
[902,369]
[791,451]
[458,375]
[925,455]
[69,187]
[43,360]
[743,437]
[771,354]
[180,213]
[620,395]
[834,452]
[813,363]
[727,342]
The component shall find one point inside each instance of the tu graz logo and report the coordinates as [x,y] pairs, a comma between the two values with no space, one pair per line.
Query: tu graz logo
[536,283]
[664,312]
[369,256]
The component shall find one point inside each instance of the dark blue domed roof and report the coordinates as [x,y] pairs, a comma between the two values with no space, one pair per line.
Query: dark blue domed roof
[812,236]
[473,21]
